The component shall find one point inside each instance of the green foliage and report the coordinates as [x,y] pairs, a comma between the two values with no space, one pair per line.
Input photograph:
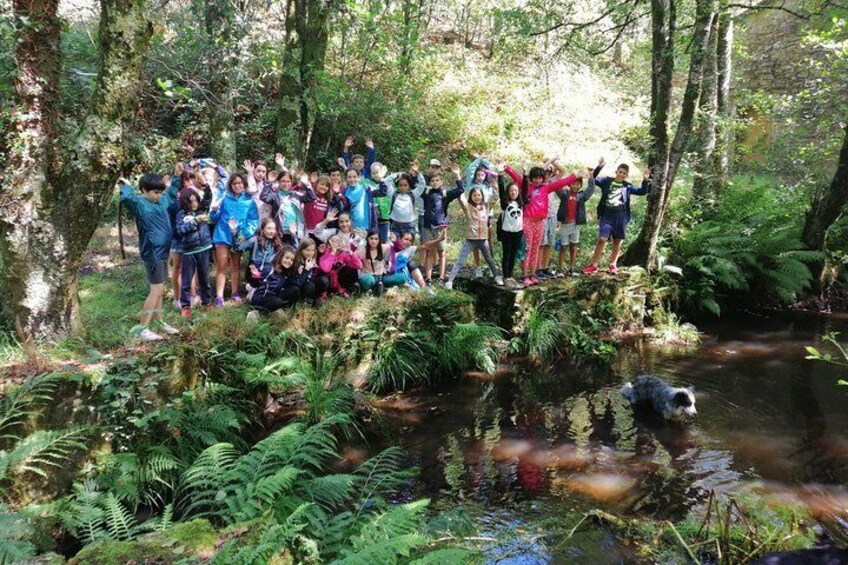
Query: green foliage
[15,533]
[91,515]
[840,359]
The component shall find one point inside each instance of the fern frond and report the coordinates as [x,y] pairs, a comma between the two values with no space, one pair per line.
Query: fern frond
[452,555]
[40,450]
[14,537]
[23,402]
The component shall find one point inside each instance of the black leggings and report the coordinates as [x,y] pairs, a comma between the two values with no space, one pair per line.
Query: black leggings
[268,302]
[511,242]
[315,288]
[348,279]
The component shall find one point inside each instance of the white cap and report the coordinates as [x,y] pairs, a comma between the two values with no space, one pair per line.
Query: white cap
[435,163]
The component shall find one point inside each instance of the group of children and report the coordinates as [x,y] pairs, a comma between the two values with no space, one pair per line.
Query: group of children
[309,236]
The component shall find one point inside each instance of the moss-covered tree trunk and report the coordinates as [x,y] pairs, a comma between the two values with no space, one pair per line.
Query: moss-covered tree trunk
[704,184]
[307,36]
[219,19]
[826,210]
[725,108]
[643,250]
[58,186]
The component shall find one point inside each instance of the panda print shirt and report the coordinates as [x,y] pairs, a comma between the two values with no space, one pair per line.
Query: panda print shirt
[513,218]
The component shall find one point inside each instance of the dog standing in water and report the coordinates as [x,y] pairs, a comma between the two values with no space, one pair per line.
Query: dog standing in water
[670,403]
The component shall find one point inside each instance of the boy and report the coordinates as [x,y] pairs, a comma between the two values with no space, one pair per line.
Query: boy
[436,222]
[358,162]
[614,211]
[570,216]
[150,209]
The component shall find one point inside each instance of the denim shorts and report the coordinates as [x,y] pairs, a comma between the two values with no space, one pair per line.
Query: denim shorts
[176,246]
[613,226]
[569,233]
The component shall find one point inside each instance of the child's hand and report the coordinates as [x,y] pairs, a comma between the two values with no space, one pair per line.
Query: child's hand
[602,162]
[313,177]
[348,142]
[310,264]
[202,217]
[178,169]
[280,161]
[455,170]
[332,214]
[646,174]
[341,162]
[369,143]
[293,229]
[303,179]
[413,167]
[475,154]
[254,271]
[123,181]
[392,236]
[248,165]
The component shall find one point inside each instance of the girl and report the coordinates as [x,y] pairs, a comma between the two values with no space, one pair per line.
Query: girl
[264,247]
[403,214]
[535,212]
[376,258]
[476,235]
[403,262]
[315,282]
[341,266]
[315,210]
[196,241]
[281,288]
[478,174]
[286,206]
[510,227]
[236,218]
[352,239]
[186,181]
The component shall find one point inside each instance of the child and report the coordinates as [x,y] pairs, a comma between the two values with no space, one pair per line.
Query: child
[382,203]
[285,202]
[196,241]
[476,235]
[403,215]
[315,282]
[374,272]
[281,287]
[361,201]
[237,218]
[264,247]
[535,212]
[150,209]
[188,180]
[341,266]
[571,215]
[361,164]
[549,232]
[614,212]
[477,175]
[436,203]
[351,238]
[510,228]
[403,262]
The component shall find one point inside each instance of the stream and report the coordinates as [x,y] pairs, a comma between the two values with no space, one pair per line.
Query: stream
[519,450]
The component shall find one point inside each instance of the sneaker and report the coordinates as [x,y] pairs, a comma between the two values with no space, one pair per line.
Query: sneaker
[589,269]
[186,313]
[249,296]
[147,335]
[528,281]
[439,282]
[449,285]
[429,291]
[557,273]
[499,280]
[219,302]
[613,269]
[344,293]
[540,274]
[177,304]
[478,272]
[252,316]
[195,301]
[170,330]
[248,287]
[236,298]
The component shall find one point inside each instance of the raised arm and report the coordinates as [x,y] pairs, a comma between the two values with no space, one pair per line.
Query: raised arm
[129,198]
[513,174]
[646,184]
[370,154]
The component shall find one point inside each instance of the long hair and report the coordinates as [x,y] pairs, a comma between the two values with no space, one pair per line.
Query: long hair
[278,259]
[234,177]
[482,196]
[185,201]
[379,245]
[275,241]
[307,242]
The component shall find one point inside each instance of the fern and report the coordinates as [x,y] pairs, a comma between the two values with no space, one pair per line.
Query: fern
[15,532]
[23,402]
[39,451]
[387,536]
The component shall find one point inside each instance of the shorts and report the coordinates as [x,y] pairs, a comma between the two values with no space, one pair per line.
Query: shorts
[613,226]
[431,235]
[569,233]
[176,246]
[549,234]
[399,228]
[157,271]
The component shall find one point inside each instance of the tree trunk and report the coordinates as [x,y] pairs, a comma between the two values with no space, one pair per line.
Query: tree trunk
[703,185]
[303,63]
[219,18]
[726,111]
[644,248]
[53,201]
[827,210]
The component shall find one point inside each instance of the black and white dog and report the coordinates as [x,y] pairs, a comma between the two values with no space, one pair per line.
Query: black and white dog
[670,403]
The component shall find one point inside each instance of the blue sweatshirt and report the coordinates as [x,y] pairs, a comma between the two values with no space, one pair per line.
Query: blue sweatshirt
[153,221]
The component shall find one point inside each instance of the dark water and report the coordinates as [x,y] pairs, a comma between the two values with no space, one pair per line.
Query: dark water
[533,446]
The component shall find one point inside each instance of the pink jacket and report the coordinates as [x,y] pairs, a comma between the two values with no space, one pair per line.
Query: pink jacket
[536,196]
[329,260]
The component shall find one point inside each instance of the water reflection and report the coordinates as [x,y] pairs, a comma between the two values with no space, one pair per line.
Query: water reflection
[566,438]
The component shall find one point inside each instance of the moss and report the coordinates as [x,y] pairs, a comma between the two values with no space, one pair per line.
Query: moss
[197,535]
[188,542]
[114,553]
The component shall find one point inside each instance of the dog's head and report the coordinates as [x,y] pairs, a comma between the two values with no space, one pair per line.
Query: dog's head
[683,403]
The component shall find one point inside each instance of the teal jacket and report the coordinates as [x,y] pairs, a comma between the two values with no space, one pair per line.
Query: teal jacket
[153,220]
[243,209]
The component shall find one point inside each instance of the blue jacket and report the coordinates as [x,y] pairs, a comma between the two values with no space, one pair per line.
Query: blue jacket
[243,209]
[604,184]
[155,229]
[194,235]
[276,281]
[174,208]
[261,258]
[371,208]
[370,158]
[582,197]
[436,205]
